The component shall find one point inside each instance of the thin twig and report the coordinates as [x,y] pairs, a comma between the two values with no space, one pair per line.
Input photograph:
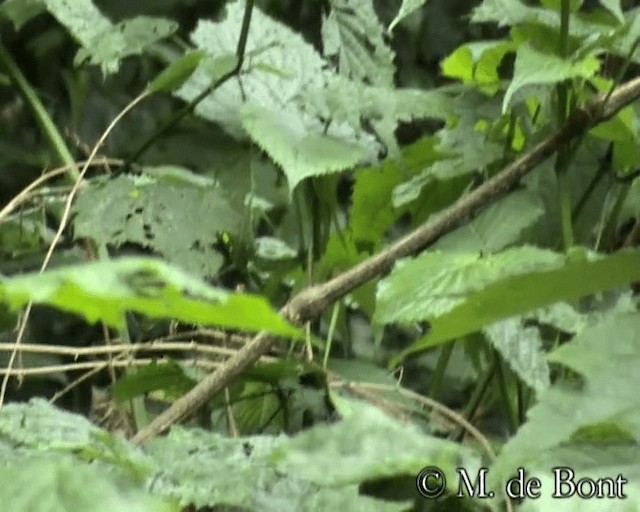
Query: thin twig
[119,348]
[101,365]
[24,194]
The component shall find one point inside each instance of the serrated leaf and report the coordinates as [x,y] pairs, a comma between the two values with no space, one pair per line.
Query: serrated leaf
[174,75]
[241,474]
[283,73]
[521,348]
[107,290]
[459,293]
[40,428]
[344,100]
[488,232]
[567,318]
[510,13]
[605,396]
[407,7]
[300,152]
[61,484]
[503,12]
[361,442]
[158,212]
[463,147]
[532,67]
[39,424]
[129,37]
[102,42]
[353,34]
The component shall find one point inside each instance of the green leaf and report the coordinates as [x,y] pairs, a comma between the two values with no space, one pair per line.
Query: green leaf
[361,442]
[407,7]
[174,75]
[40,428]
[459,64]
[129,37]
[503,12]
[173,212]
[533,67]
[604,397]
[568,318]
[107,290]
[21,11]
[556,5]
[488,232]
[206,469]
[459,293]
[521,348]
[300,152]
[102,42]
[613,6]
[344,100]
[47,484]
[353,34]
[512,13]
[39,424]
[167,376]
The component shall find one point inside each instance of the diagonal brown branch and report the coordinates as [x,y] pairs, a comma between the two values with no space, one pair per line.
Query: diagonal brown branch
[310,303]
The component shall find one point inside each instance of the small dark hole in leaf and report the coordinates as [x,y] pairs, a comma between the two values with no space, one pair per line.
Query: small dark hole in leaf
[148,232]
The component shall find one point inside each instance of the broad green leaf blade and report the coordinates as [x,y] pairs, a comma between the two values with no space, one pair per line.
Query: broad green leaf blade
[174,75]
[40,425]
[598,459]
[129,37]
[40,428]
[344,100]
[533,67]
[168,376]
[407,7]
[282,73]
[446,280]
[301,153]
[107,290]
[102,42]
[521,348]
[21,11]
[353,34]
[62,484]
[361,443]
[461,293]
[613,6]
[503,12]
[607,357]
[488,232]
[207,469]
[173,212]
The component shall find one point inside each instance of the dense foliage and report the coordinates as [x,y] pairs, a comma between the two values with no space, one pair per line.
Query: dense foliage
[339,241]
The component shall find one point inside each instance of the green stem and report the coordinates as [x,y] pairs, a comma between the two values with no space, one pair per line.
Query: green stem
[476,396]
[504,391]
[563,157]
[47,126]
[438,374]
[189,107]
